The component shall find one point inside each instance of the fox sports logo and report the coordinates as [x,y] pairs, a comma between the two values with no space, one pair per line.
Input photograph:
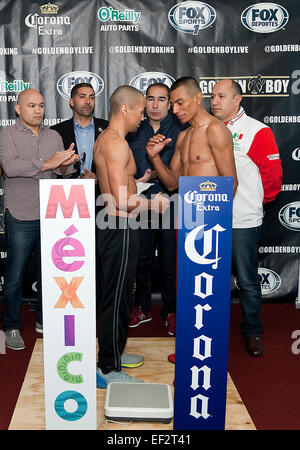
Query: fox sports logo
[191,17]
[69,80]
[144,80]
[264,17]
[289,216]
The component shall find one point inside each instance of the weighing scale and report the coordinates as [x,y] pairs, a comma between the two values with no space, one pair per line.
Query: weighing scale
[151,402]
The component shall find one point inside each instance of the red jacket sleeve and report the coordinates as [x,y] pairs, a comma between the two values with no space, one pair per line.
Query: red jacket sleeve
[264,153]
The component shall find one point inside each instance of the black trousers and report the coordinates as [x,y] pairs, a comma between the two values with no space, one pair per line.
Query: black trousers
[118,251]
[160,234]
[166,244]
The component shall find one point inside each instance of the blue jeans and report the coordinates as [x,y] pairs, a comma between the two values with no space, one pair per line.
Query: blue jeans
[245,264]
[22,237]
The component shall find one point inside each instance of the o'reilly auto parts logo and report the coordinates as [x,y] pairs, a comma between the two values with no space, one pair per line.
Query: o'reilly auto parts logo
[67,81]
[115,20]
[109,14]
[191,17]
[264,17]
[289,216]
[144,80]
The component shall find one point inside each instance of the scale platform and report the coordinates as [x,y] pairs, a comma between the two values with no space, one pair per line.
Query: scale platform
[151,402]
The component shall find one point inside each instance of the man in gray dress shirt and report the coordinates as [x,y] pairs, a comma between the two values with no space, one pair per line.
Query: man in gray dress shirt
[28,152]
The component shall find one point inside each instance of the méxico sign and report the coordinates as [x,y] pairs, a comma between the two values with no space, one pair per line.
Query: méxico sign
[68,287]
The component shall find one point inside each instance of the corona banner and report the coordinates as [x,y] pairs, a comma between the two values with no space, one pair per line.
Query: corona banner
[68,288]
[203,302]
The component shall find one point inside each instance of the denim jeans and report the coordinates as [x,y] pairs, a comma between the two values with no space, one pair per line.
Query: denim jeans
[245,264]
[22,237]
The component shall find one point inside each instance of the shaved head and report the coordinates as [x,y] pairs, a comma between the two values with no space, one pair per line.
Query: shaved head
[25,94]
[225,100]
[30,108]
[124,95]
[191,85]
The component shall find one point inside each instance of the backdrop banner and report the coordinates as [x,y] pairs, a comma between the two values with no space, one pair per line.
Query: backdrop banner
[53,46]
[69,316]
[203,302]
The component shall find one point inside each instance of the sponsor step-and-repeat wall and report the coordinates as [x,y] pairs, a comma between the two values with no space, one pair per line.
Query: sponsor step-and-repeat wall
[53,46]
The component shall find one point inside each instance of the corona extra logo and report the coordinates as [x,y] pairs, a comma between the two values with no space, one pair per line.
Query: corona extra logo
[208,186]
[49,8]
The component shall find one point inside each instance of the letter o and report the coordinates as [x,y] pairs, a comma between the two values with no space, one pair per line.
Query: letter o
[59,405]
[104,14]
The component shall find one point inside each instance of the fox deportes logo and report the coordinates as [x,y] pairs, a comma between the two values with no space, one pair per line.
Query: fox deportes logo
[264,17]
[270,281]
[69,80]
[296,154]
[289,216]
[144,80]
[191,17]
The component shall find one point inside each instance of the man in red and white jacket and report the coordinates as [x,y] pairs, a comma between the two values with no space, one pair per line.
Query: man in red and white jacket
[259,175]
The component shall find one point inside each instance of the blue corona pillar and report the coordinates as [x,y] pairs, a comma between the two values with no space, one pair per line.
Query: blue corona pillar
[203,302]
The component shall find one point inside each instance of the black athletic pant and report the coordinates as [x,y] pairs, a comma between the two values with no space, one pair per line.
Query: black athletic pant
[118,250]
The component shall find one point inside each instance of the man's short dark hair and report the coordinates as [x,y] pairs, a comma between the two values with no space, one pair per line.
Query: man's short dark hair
[124,95]
[78,86]
[161,85]
[189,82]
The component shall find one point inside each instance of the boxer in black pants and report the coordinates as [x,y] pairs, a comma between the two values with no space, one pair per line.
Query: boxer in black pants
[118,240]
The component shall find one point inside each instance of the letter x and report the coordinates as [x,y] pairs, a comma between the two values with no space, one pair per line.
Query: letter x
[68,292]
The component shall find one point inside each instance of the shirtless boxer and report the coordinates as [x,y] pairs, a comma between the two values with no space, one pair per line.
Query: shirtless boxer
[203,149]
[118,246]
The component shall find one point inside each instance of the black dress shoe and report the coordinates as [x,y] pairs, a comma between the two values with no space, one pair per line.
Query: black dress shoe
[254,346]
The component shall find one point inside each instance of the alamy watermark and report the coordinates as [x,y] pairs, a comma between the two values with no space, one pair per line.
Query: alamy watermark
[156,212]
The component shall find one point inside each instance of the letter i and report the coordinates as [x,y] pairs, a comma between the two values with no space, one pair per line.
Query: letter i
[69,331]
